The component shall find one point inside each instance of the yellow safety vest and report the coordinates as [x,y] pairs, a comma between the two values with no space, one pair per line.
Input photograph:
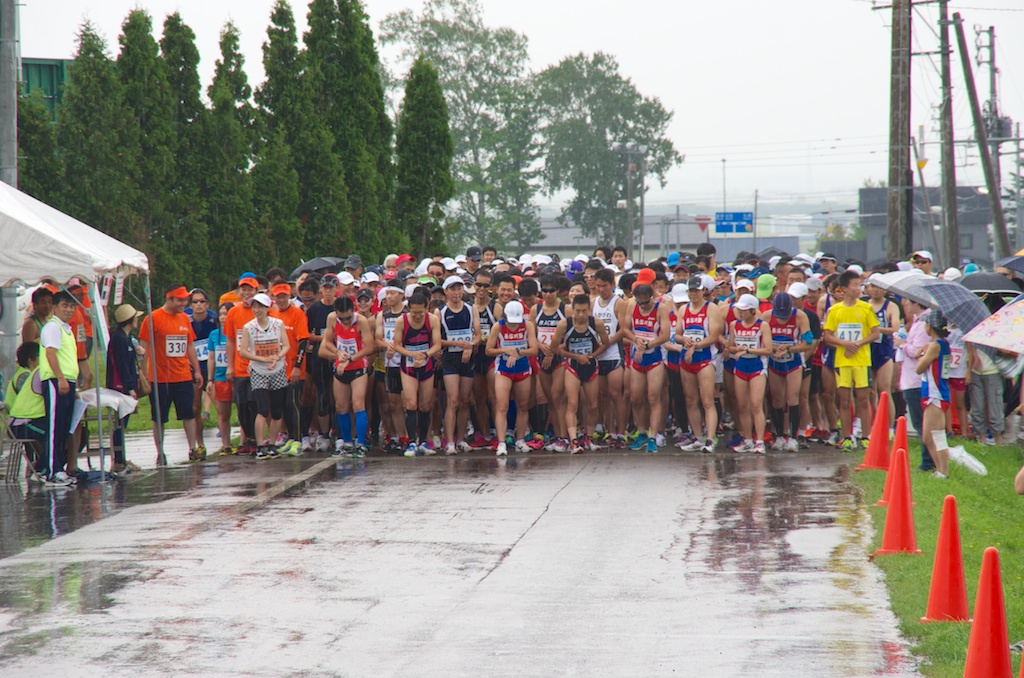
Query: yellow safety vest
[67,355]
[23,401]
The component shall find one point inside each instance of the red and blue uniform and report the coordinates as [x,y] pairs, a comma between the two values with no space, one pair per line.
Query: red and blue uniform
[934,381]
[748,366]
[646,326]
[695,327]
[784,333]
[516,369]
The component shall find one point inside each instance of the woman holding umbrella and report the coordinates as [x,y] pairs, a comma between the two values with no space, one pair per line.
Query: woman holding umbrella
[933,366]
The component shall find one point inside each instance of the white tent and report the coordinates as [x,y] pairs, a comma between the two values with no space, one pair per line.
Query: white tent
[38,241]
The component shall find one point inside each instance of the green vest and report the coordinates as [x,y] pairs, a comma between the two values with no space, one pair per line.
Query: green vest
[23,401]
[67,356]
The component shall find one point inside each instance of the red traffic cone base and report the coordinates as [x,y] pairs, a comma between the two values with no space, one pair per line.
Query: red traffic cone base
[947,597]
[899,536]
[899,442]
[877,455]
[988,650]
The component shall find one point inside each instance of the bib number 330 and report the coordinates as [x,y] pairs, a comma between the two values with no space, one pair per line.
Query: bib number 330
[176,346]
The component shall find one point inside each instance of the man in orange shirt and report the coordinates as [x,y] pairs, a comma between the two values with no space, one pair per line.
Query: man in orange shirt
[238,367]
[297,418]
[167,338]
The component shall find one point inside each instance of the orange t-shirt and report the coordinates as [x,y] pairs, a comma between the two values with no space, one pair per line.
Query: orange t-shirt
[173,334]
[233,324]
[229,297]
[80,330]
[297,327]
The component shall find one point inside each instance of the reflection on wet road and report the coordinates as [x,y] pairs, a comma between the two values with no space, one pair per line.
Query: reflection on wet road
[611,565]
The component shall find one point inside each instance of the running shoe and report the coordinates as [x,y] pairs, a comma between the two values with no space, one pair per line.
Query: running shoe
[411,450]
[792,445]
[600,435]
[779,444]
[559,445]
[359,451]
[282,440]
[735,442]
[339,448]
[833,439]
[759,447]
[709,446]
[769,438]
[939,476]
[685,439]
[577,446]
[849,444]
[691,444]
[59,479]
[990,440]
[427,449]
[225,451]
[263,452]
[535,443]
[591,445]
[522,447]
[463,446]
[727,421]
[746,446]
[479,442]
[307,444]
[660,440]
[193,455]
[292,449]
[450,450]
[502,449]
[652,445]
[323,444]
[201,453]
[640,443]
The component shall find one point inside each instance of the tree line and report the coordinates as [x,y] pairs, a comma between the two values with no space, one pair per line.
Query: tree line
[333,153]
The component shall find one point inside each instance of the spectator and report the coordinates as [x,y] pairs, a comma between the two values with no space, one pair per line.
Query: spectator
[123,375]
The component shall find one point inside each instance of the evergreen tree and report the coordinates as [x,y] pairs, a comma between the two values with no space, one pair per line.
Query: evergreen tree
[40,172]
[226,182]
[349,96]
[424,151]
[147,100]
[99,144]
[286,105]
[186,206]
[275,186]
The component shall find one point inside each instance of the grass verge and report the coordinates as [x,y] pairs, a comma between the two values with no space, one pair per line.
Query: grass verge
[990,513]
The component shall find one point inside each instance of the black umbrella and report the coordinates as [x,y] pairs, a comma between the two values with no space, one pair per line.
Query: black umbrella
[960,306]
[318,264]
[989,283]
[1014,262]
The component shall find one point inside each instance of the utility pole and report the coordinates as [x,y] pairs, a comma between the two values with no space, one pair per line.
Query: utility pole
[753,225]
[629,204]
[643,199]
[8,93]
[999,235]
[947,161]
[991,107]
[921,162]
[900,175]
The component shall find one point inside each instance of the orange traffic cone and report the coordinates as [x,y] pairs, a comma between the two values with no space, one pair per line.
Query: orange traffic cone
[899,534]
[947,597]
[988,650]
[877,455]
[899,442]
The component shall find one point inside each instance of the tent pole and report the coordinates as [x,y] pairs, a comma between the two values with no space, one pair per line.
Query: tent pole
[151,360]
[98,346]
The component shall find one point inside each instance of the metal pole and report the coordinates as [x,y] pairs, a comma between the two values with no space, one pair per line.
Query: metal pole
[753,226]
[927,206]
[8,92]
[1000,237]
[724,207]
[643,224]
[993,108]
[899,131]
[629,204]
[950,217]
[151,360]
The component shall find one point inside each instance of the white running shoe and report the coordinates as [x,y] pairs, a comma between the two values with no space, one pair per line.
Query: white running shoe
[759,447]
[709,446]
[411,450]
[522,447]
[792,445]
[307,444]
[463,446]
[746,446]
[450,449]
[659,440]
[323,444]
[502,449]
[780,444]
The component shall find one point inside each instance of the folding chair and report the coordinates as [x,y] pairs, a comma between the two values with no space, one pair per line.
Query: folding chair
[17,448]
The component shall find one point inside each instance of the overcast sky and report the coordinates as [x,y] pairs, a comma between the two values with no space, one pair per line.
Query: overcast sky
[794,96]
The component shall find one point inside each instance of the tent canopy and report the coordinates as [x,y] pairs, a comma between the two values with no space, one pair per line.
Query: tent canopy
[39,241]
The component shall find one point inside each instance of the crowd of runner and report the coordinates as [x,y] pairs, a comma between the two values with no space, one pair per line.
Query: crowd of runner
[451,355]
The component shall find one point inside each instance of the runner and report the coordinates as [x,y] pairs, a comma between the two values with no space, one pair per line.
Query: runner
[167,338]
[933,364]
[512,343]
[460,333]
[348,339]
[882,350]
[488,312]
[265,345]
[238,367]
[648,328]
[579,340]
[296,325]
[790,338]
[850,328]
[394,420]
[610,309]
[418,342]
[750,343]
[319,368]
[217,383]
[697,332]
[546,317]
[203,322]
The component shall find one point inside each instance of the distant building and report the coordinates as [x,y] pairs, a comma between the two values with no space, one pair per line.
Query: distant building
[974,217]
[47,76]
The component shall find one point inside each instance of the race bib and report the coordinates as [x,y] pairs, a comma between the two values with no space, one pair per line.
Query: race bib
[694,334]
[347,346]
[786,357]
[545,334]
[944,370]
[80,338]
[580,347]
[267,349]
[459,335]
[220,357]
[748,342]
[176,346]
[202,349]
[415,348]
[850,331]
[956,358]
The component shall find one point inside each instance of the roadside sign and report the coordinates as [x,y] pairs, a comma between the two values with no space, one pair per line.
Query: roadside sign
[734,222]
[703,222]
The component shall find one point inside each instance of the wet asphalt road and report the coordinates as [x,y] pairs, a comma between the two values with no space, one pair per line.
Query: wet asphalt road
[605,564]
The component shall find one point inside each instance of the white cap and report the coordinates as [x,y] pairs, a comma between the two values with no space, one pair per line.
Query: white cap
[369,277]
[814,283]
[346,278]
[797,290]
[582,258]
[904,266]
[262,300]
[453,280]
[383,292]
[951,274]
[709,282]
[613,267]
[449,264]
[628,264]
[460,258]
[856,269]
[514,312]
[422,268]
[410,290]
[743,267]
[525,260]
[678,293]
[743,284]
[924,254]
[748,302]
[495,262]
[542,260]
[773,262]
